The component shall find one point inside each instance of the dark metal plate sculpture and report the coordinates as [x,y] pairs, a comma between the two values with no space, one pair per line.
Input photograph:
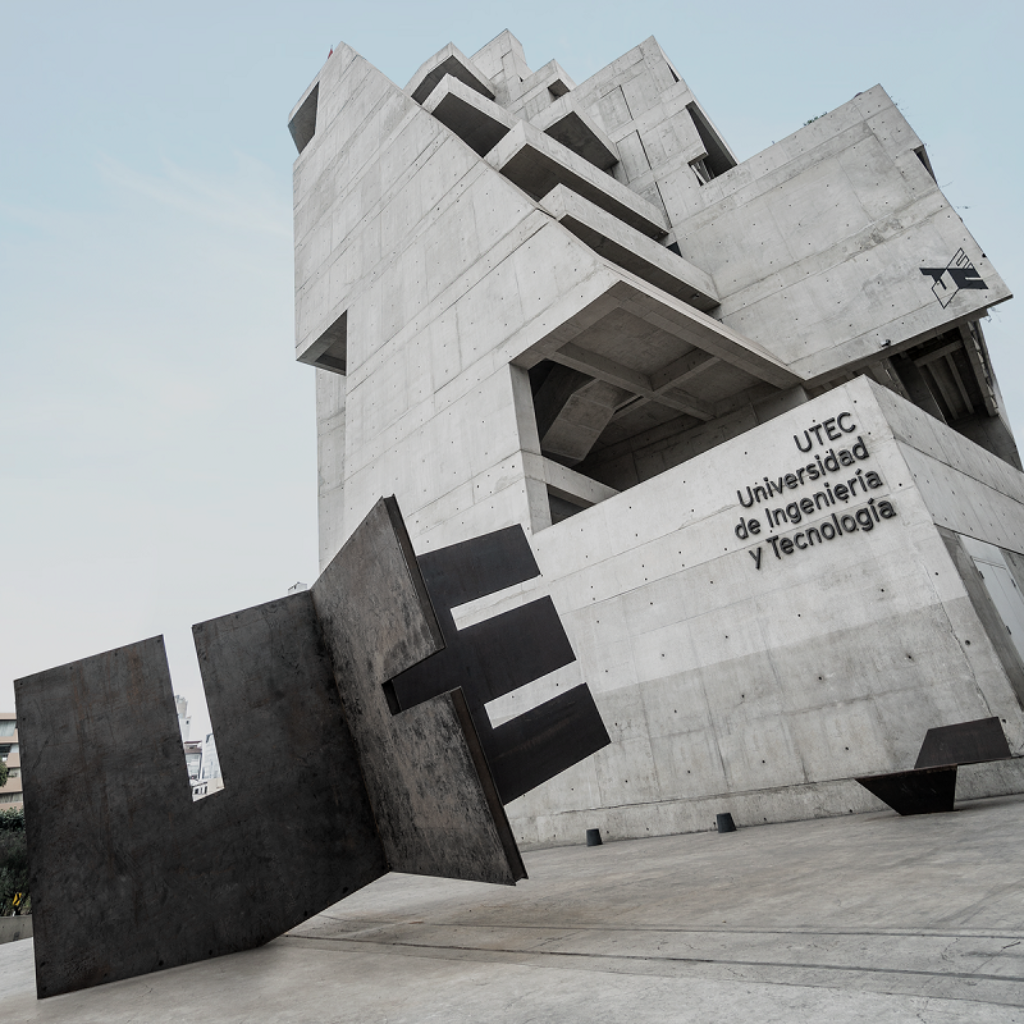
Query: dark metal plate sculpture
[502,654]
[965,743]
[930,786]
[918,791]
[326,787]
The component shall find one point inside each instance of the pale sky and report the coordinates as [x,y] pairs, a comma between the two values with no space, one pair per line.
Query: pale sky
[157,439]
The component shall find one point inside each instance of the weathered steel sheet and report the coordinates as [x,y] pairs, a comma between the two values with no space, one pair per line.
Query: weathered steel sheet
[917,791]
[502,654]
[964,743]
[437,809]
[325,789]
[128,874]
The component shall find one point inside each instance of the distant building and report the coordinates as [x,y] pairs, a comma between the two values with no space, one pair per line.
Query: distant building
[193,758]
[184,721]
[11,791]
[211,763]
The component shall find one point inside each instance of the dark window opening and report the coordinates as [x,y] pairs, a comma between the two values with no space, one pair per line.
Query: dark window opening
[700,168]
[303,125]
[561,508]
[922,155]
[333,346]
[717,159]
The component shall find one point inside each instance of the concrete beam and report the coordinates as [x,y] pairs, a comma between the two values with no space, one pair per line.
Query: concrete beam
[448,61]
[479,122]
[622,245]
[578,131]
[537,163]
[622,376]
[581,421]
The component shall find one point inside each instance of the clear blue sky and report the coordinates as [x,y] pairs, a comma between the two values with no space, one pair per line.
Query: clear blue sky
[157,441]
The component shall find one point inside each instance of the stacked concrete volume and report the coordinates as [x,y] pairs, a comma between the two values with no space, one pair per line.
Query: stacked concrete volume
[743,411]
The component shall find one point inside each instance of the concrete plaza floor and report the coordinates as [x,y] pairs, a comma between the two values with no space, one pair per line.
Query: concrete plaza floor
[872,917]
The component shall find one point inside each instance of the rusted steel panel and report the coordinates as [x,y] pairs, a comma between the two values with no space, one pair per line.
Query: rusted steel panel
[128,874]
[325,789]
[502,654]
[917,791]
[436,807]
[964,743]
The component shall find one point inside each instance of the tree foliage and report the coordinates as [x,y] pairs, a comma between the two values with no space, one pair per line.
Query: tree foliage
[14,893]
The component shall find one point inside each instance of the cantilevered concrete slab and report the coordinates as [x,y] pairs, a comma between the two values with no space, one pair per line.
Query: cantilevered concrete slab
[448,61]
[537,163]
[577,130]
[479,122]
[608,236]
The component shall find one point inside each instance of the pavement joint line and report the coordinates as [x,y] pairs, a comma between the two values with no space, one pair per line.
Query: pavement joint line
[774,964]
[682,929]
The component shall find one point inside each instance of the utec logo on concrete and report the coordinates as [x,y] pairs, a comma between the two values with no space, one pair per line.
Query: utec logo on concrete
[825,464]
[948,280]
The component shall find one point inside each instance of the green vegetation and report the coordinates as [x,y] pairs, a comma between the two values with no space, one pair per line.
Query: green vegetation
[14,894]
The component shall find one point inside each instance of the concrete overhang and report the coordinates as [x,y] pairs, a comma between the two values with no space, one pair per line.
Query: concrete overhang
[551,76]
[479,122]
[578,131]
[609,237]
[449,61]
[538,163]
[638,338]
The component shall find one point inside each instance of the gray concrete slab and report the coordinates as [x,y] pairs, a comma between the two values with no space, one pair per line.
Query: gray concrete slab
[479,122]
[537,163]
[615,241]
[872,917]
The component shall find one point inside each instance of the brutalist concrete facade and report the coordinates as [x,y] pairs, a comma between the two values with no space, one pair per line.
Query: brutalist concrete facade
[744,411]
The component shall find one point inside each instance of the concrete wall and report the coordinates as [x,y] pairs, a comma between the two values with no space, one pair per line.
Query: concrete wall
[14,928]
[431,281]
[764,691]
[815,244]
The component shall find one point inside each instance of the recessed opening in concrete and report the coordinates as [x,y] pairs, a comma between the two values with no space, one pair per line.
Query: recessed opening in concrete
[563,508]
[602,429]
[333,346]
[922,154]
[718,160]
[303,125]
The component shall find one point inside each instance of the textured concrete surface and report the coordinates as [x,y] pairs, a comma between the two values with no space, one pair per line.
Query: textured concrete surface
[611,358]
[865,918]
[14,928]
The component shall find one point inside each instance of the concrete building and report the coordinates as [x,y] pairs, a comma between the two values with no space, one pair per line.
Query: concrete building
[11,791]
[184,718]
[744,411]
